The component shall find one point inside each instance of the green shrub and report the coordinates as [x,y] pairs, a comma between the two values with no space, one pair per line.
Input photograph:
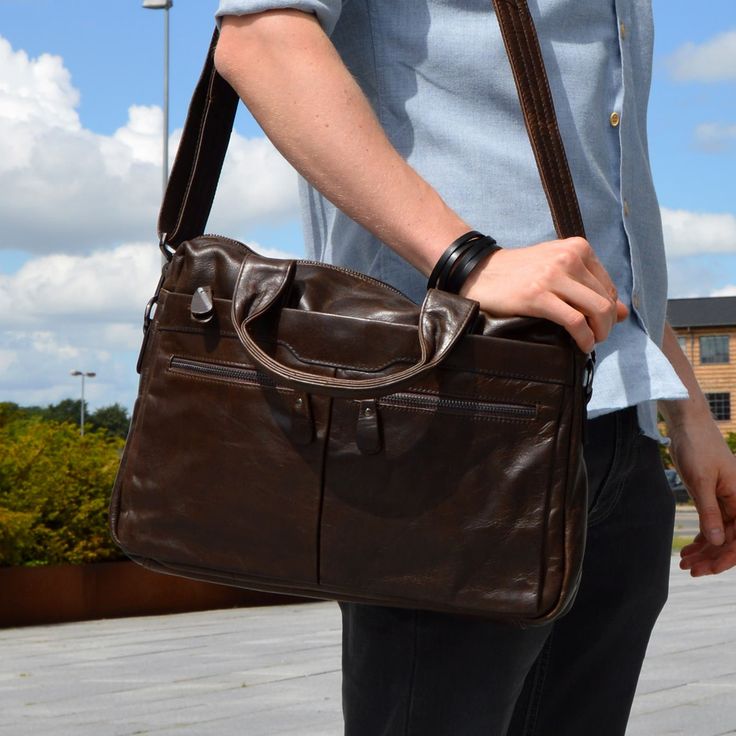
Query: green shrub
[54,493]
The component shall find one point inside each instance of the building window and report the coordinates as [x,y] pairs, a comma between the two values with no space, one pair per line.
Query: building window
[714,349]
[682,341]
[720,406]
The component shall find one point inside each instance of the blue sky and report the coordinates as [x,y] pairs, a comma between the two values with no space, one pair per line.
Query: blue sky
[100,265]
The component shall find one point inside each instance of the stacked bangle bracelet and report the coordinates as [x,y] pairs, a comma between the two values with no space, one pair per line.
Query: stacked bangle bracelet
[459,259]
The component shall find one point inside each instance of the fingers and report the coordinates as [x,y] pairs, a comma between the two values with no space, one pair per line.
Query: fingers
[599,310]
[703,558]
[557,310]
[710,515]
[560,280]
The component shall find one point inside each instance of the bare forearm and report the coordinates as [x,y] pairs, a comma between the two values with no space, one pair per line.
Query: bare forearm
[677,413]
[294,83]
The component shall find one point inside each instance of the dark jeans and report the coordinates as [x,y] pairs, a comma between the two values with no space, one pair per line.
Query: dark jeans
[417,673]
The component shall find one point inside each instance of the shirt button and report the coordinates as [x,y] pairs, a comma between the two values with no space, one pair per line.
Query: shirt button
[636,301]
[622,30]
[626,208]
[614,119]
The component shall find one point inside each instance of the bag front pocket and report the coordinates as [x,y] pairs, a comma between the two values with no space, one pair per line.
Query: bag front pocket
[213,491]
[436,513]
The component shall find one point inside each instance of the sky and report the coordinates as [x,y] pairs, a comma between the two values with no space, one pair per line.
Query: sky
[80,176]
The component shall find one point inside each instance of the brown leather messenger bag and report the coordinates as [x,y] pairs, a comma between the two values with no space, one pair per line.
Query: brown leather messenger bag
[304,428]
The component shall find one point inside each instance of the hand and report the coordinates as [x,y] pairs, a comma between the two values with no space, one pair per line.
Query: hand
[708,469]
[560,280]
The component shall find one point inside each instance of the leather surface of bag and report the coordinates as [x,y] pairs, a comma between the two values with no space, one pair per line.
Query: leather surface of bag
[304,428]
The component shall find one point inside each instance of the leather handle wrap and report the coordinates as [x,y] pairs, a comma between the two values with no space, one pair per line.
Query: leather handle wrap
[194,176]
[260,289]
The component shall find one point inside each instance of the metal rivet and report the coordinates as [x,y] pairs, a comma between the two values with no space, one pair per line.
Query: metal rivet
[368,411]
[614,119]
[298,402]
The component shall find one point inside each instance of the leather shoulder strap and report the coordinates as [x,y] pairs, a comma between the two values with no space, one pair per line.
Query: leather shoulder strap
[530,75]
[196,171]
[193,181]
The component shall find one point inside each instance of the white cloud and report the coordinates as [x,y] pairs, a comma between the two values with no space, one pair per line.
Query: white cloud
[693,233]
[105,285]
[715,137]
[729,290]
[63,312]
[66,188]
[711,61]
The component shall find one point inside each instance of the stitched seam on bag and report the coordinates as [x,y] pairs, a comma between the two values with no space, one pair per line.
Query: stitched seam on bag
[445,365]
[322,475]
[198,331]
[528,101]
[501,374]
[197,153]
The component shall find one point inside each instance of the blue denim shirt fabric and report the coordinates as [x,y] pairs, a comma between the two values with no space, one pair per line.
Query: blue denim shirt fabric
[438,78]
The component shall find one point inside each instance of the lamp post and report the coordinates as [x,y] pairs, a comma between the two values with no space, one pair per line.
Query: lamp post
[164,5]
[83,374]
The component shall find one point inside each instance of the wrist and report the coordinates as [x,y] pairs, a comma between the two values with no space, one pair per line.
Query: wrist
[683,413]
[460,260]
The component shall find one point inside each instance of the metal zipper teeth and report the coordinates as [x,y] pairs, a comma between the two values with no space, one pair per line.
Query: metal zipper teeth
[251,375]
[318,263]
[247,375]
[439,402]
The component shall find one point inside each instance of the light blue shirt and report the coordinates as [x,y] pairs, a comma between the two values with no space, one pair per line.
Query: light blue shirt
[438,78]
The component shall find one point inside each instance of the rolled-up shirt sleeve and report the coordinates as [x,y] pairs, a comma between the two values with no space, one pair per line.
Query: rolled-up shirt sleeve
[327,11]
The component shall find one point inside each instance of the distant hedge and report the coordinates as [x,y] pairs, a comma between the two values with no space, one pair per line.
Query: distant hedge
[54,492]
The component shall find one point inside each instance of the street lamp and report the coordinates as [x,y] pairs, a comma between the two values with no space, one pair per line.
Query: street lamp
[83,374]
[164,5]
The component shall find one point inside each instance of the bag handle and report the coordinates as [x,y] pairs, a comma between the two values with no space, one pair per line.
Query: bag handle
[196,170]
[263,282]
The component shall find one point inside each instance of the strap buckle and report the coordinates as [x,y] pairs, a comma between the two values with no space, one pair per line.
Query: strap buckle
[165,248]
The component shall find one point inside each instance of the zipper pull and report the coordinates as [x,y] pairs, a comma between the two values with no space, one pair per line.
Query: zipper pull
[302,424]
[368,427]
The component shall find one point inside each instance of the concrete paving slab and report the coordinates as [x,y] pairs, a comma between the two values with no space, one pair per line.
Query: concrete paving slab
[276,671]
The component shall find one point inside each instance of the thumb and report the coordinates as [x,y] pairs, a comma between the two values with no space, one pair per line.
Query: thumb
[711,520]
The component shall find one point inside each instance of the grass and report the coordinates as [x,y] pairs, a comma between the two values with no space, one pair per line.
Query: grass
[679,542]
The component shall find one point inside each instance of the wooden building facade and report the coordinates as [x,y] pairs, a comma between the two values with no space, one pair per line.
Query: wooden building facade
[706,330]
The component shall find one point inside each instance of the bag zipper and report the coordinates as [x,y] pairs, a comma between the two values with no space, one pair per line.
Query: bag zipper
[218,370]
[460,406]
[402,398]
[332,266]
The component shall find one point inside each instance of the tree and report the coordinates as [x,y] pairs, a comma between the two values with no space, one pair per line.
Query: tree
[54,493]
[67,410]
[114,419]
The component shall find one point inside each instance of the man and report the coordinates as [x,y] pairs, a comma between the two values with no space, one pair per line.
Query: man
[403,120]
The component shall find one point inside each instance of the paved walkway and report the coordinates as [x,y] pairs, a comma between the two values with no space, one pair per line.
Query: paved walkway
[273,671]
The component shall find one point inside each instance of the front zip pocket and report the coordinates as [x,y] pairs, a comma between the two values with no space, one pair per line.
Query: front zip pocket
[294,406]
[221,370]
[476,407]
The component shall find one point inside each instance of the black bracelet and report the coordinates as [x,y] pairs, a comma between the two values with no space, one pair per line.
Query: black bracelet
[471,258]
[455,259]
[451,252]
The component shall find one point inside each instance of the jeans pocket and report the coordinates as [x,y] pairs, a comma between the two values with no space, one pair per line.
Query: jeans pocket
[610,455]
